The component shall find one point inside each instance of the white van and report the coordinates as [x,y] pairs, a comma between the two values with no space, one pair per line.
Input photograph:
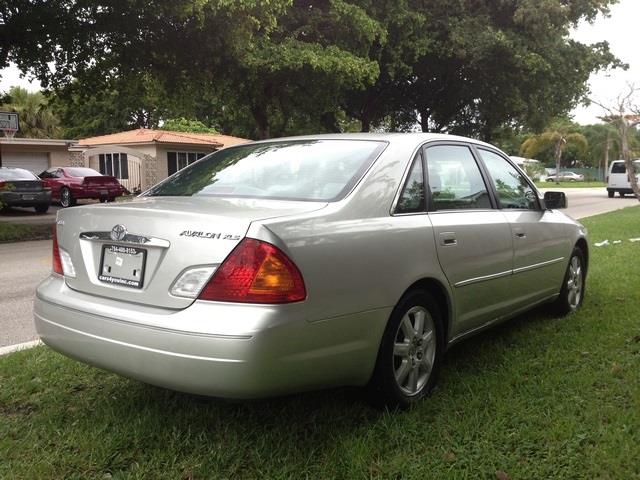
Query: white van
[618,179]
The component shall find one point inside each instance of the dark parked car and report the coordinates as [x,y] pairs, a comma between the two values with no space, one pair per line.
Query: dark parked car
[68,184]
[21,188]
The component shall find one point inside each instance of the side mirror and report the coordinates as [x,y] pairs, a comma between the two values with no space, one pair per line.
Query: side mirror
[555,200]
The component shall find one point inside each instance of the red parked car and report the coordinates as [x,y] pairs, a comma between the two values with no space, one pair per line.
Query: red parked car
[68,184]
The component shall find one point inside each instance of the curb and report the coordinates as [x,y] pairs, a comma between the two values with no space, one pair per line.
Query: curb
[19,346]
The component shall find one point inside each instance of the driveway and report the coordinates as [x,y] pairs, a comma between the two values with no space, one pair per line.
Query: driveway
[28,215]
[25,264]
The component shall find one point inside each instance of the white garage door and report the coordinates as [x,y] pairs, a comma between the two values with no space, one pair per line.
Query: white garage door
[34,162]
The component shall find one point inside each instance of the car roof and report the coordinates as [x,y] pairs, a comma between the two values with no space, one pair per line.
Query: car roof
[396,137]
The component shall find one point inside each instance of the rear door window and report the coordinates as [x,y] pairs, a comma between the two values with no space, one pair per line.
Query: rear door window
[454,178]
[618,167]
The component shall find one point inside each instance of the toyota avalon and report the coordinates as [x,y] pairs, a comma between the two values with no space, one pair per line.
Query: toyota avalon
[309,262]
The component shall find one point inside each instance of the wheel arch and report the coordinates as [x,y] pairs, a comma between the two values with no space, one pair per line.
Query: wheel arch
[584,246]
[442,297]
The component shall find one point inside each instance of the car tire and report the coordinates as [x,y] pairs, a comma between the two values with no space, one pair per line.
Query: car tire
[42,208]
[410,353]
[621,194]
[573,284]
[66,198]
[611,193]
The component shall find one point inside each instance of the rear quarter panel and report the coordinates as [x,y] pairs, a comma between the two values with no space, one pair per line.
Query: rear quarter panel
[354,255]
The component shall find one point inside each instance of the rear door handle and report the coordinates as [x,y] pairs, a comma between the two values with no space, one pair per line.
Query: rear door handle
[519,232]
[448,239]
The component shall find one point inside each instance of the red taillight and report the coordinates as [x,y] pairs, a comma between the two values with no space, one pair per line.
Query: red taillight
[2,183]
[56,263]
[256,272]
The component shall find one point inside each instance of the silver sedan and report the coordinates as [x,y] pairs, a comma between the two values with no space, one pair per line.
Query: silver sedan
[309,262]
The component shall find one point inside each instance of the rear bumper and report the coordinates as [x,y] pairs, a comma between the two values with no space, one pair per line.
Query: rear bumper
[25,199]
[281,354]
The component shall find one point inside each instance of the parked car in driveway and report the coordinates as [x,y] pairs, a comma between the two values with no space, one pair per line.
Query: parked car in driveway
[618,179]
[68,184]
[309,262]
[565,177]
[21,188]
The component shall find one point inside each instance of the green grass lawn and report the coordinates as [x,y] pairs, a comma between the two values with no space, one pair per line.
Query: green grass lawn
[570,184]
[15,232]
[537,398]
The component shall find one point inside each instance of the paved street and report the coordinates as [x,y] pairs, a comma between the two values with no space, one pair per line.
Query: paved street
[25,264]
[585,202]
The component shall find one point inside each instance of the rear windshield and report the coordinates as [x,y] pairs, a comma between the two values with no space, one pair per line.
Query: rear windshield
[82,172]
[16,174]
[620,167]
[313,170]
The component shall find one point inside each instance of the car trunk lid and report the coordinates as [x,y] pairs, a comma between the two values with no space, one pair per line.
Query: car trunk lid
[24,185]
[162,237]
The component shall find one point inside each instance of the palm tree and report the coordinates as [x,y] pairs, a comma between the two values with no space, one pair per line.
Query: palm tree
[36,117]
[557,137]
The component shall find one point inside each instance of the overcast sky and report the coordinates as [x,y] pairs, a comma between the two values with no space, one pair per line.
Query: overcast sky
[618,29]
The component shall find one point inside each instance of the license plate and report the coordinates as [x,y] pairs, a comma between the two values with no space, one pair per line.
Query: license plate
[122,265]
[28,197]
[104,192]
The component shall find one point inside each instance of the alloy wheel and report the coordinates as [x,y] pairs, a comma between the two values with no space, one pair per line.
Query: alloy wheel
[414,350]
[65,197]
[574,283]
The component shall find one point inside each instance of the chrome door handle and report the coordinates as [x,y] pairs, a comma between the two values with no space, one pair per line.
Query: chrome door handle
[521,235]
[448,239]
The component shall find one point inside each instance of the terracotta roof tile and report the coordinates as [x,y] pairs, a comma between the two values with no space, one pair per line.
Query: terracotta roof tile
[145,135]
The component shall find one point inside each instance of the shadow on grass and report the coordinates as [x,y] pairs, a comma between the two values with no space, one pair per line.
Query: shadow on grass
[108,423]
[330,411]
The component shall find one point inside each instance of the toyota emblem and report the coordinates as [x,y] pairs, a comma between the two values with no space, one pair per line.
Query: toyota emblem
[118,232]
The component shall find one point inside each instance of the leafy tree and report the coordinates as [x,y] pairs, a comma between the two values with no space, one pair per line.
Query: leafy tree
[275,67]
[111,106]
[558,138]
[186,125]
[504,63]
[604,145]
[37,120]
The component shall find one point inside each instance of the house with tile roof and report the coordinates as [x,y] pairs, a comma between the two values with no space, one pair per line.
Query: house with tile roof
[140,158]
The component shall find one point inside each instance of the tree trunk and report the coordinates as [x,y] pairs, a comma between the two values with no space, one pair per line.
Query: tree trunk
[626,155]
[424,120]
[366,123]
[558,156]
[262,122]
[330,122]
[606,156]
